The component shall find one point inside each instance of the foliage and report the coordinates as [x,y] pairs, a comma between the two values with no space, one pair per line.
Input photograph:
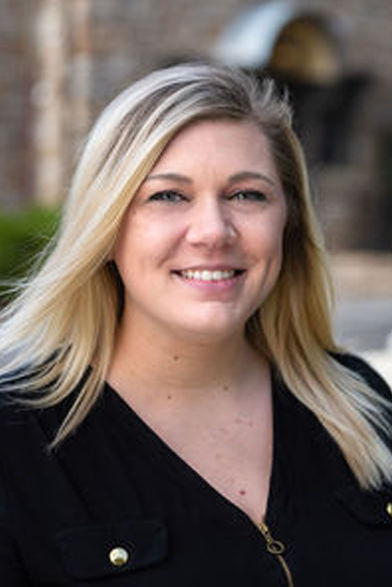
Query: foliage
[23,235]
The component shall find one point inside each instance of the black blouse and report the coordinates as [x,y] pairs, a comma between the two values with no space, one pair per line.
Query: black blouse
[115,506]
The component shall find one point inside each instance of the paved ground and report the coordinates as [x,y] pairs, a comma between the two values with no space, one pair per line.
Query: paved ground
[363,318]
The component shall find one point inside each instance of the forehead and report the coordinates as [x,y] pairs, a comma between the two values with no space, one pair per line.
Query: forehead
[224,142]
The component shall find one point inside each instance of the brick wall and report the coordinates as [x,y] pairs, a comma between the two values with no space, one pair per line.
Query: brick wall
[126,38]
[16,78]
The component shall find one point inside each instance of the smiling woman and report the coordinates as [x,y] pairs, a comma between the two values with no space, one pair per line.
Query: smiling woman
[203,235]
[170,385]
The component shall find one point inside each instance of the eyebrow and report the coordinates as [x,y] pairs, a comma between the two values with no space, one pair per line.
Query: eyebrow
[170,176]
[243,175]
[240,176]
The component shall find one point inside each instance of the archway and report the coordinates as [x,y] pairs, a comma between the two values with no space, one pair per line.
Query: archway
[301,49]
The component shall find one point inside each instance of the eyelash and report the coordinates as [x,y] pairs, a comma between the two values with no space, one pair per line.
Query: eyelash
[172,197]
[169,196]
[251,195]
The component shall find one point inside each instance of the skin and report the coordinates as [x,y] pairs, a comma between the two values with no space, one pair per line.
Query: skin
[193,213]
[213,202]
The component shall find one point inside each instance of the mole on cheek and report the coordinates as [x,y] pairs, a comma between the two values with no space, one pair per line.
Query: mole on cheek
[176,358]
[169,397]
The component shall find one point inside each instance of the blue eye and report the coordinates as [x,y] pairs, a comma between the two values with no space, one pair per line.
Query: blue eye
[249,195]
[169,196]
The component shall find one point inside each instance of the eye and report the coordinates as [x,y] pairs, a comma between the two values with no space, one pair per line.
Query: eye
[169,196]
[249,195]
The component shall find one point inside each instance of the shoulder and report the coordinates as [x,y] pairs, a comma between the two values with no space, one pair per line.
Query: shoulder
[24,425]
[11,409]
[361,368]
[358,368]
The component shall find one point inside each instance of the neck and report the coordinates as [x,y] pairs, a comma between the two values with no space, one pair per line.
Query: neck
[156,362]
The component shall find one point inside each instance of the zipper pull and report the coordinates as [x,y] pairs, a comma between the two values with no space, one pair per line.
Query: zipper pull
[273,546]
[277,548]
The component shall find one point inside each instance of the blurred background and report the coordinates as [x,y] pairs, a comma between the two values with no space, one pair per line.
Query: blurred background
[61,61]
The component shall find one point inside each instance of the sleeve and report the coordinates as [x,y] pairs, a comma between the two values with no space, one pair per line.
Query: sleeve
[12,570]
[12,573]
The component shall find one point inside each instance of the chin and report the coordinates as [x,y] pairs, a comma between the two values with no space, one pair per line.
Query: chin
[212,330]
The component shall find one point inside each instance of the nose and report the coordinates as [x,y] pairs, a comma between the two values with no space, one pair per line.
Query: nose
[211,224]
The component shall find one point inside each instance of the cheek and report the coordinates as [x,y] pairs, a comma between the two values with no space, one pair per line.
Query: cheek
[276,231]
[126,250]
[142,245]
[266,241]
[122,248]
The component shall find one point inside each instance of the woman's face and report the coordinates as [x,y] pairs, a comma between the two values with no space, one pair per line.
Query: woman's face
[200,247]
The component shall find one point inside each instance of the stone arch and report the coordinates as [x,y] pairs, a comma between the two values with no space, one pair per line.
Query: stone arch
[293,42]
[305,51]
[302,49]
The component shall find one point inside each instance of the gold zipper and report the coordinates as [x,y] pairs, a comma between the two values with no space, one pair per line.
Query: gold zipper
[276,548]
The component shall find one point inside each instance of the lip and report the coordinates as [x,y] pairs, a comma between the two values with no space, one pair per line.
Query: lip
[226,286]
[215,267]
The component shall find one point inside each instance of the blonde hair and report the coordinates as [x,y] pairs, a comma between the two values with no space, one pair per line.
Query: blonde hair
[60,329]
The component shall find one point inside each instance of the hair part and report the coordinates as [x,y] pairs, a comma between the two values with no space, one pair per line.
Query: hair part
[61,328]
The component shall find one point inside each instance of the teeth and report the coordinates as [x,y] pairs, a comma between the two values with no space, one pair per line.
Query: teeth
[206,275]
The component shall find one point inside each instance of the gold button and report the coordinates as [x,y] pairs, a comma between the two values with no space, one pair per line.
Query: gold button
[118,556]
[389,508]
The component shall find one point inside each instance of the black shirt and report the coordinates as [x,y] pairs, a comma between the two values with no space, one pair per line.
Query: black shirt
[114,484]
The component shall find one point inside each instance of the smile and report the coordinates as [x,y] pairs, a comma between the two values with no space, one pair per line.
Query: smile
[207,275]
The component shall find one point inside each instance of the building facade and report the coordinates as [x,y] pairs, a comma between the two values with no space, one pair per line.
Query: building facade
[61,61]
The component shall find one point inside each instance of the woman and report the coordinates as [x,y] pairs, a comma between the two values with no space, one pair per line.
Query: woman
[175,410]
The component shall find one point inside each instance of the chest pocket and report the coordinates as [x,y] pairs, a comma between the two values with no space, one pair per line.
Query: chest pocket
[371,508]
[92,552]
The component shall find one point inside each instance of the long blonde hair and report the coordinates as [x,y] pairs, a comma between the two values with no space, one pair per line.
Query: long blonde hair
[61,327]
